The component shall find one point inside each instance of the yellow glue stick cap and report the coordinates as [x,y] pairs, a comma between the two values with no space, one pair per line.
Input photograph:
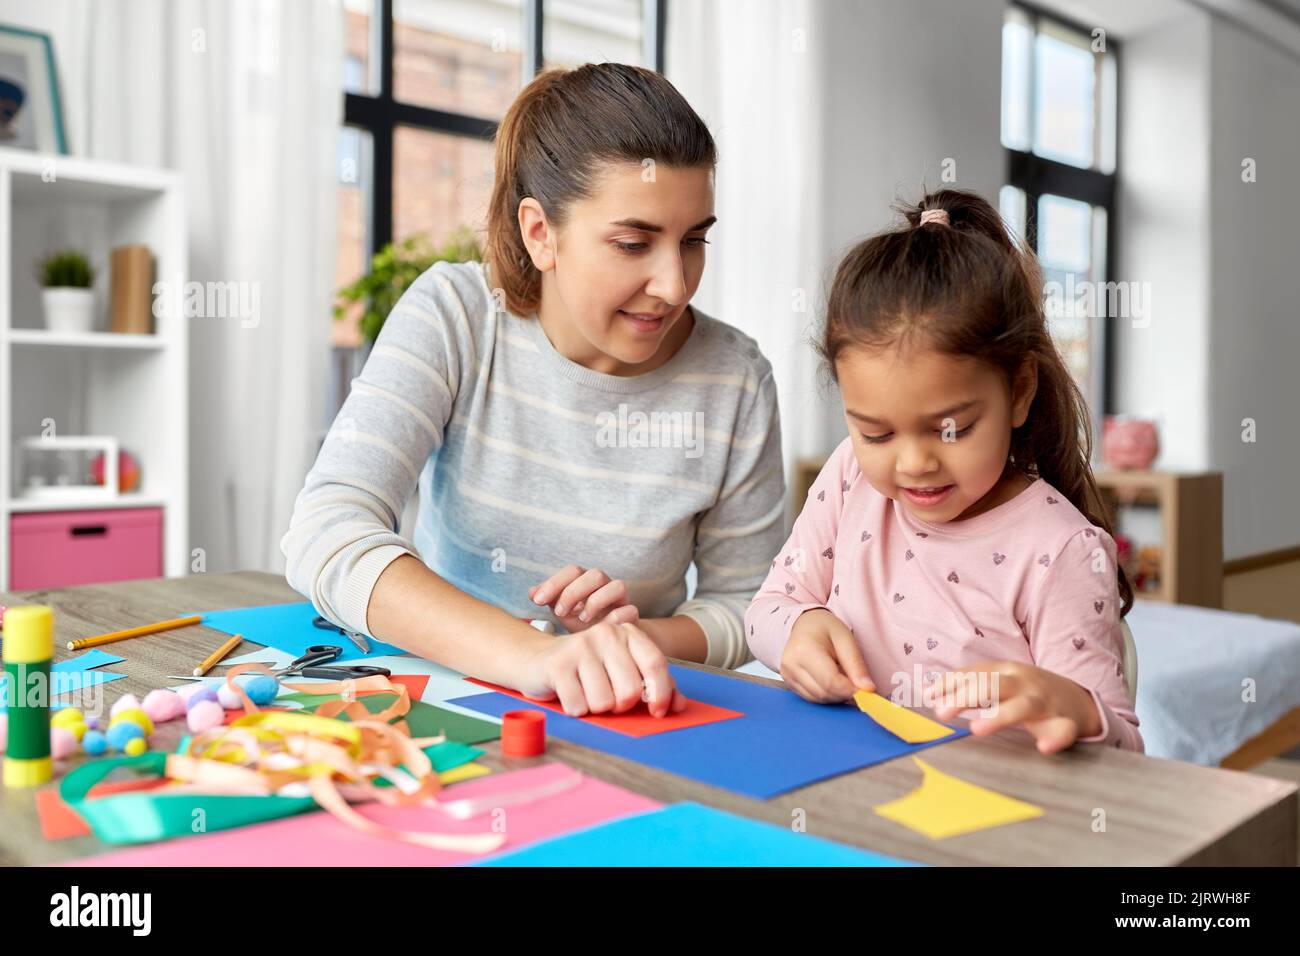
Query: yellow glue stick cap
[28,634]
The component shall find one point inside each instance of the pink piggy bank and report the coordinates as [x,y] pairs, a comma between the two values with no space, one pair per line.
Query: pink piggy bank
[1128,443]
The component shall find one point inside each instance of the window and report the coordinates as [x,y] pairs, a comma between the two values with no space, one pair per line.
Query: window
[425,83]
[1059,130]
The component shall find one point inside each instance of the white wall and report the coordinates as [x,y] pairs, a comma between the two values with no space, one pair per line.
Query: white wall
[1199,93]
[1162,368]
[1254,315]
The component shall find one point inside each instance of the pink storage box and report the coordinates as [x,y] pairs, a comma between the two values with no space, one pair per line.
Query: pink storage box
[57,549]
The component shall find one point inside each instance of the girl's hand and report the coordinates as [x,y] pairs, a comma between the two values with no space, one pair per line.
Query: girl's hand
[608,668]
[1054,709]
[581,597]
[822,661]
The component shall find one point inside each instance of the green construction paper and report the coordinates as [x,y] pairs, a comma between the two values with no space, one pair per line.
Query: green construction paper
[425,720]
[451,754]
[444,756]
[154,815]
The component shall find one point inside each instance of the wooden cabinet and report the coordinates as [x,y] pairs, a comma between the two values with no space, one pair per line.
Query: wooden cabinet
[1191,516]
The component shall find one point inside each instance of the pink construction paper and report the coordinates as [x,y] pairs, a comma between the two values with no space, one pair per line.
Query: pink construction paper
[318,839]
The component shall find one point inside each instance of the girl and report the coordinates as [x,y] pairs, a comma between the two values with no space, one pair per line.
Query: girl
[956,538]
[580,434]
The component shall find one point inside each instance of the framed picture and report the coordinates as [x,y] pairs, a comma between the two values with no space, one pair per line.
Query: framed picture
[30,114]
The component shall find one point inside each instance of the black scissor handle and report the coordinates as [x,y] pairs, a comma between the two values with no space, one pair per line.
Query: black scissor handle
[346,672]
[316,654]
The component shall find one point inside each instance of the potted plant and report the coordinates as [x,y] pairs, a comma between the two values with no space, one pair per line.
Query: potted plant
[68,298]
[393,269]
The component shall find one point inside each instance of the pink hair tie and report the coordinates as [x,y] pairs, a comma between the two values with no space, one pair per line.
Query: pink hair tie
[934,215]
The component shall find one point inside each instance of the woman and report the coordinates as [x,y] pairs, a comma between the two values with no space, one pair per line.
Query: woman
[579,432]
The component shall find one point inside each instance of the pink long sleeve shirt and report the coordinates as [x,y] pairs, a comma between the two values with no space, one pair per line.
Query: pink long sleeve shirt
[1023,581]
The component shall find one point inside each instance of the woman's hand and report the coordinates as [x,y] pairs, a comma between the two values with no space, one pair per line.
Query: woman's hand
[1054,709]
[822,661]
[608,668]
[581,597]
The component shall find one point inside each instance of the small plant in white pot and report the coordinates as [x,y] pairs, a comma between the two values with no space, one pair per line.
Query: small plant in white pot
[68,297]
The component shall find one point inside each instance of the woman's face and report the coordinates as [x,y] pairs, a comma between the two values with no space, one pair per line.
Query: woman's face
[930,430]
[618,275]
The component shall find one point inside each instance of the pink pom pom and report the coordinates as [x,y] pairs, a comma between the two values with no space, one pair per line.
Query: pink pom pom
[205,715]
[62,743]
[163,705]
[4,732]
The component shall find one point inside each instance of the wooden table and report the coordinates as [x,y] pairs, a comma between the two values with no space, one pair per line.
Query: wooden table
[1157,812]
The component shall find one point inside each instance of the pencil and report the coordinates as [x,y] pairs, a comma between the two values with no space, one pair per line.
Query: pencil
[133,632]
[217,655]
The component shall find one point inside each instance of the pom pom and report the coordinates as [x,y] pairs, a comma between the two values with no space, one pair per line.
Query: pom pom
[134,747]
[189,690]
[262,689]
[204,715]
[92,723]
[66,717]
[4,731]
[228,698]
[62,743]
[122,732]
[125,702]
[205,692]
[163,705]
[94,743]
[135,715]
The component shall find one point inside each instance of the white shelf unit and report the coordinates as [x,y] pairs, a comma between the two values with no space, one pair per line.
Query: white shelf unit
[133,387]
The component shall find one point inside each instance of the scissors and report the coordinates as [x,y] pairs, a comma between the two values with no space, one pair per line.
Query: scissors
[358,639]
[310,665]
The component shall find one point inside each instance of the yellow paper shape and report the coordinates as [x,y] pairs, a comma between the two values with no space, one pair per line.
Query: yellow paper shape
[945,806]
[466,771]
[905,724]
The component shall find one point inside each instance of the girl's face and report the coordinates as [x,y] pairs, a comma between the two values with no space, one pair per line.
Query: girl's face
[618,275]
[933,431]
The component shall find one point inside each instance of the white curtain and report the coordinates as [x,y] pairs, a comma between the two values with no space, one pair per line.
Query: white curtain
[243,97]
[751,69]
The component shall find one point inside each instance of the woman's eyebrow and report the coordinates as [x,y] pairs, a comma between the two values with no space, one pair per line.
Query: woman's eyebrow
[644,226]
[943,414]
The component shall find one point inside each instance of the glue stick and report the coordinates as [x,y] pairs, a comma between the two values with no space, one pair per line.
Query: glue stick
[28,647]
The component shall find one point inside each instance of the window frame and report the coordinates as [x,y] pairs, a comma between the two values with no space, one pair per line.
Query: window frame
[382,113]
[1035,175]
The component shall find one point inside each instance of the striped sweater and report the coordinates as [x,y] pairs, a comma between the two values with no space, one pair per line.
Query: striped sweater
[527,462]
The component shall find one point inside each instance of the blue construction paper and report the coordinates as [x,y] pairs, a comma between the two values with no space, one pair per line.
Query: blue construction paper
[688,834]
[72,674]
[288,627]
[92,658]
[782,743]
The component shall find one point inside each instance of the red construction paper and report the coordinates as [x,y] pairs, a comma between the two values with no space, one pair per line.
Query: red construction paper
[637,722]
[415,683]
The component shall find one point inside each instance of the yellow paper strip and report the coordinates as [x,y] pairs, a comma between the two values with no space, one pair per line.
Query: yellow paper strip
[945,806]
[905,724]
[466,771]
